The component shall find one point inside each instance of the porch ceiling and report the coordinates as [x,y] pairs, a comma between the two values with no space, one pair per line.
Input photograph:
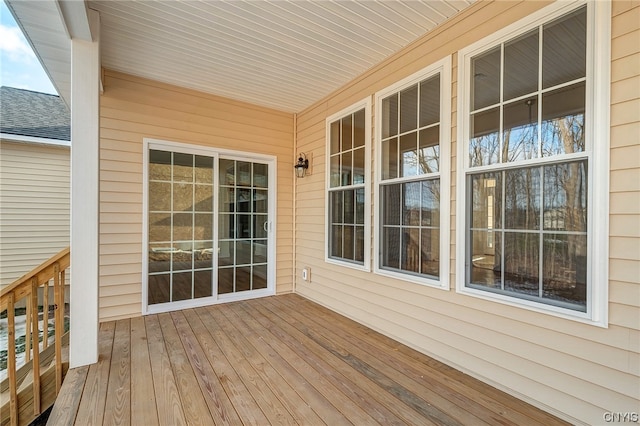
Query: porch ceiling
[280,54]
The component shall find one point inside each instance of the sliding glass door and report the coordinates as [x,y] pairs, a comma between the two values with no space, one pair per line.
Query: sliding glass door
[208,228]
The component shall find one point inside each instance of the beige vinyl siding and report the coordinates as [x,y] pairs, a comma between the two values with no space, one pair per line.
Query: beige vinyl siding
[575,370]
[131,109]
[624,239]
[34,206]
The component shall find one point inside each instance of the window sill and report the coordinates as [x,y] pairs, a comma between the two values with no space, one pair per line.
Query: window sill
[346,264]
[564,313]
[427,282]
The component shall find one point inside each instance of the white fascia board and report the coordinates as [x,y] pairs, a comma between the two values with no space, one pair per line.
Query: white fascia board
[34,140]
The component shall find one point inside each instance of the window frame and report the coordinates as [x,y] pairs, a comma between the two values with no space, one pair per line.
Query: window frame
[443,68]
[366,264]
[597,127]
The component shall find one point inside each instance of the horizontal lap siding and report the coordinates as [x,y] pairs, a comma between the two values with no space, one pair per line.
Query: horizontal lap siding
[572,369]
[132,109]
[34,206]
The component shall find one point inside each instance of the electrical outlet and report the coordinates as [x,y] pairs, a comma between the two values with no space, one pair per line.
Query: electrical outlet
[306,274]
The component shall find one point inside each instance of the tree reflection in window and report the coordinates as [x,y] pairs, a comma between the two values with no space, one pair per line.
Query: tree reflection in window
[528,217]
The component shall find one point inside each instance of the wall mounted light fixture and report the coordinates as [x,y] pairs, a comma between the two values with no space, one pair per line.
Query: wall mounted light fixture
[302,165]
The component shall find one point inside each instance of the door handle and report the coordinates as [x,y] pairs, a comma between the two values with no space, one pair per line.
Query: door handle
[266,226]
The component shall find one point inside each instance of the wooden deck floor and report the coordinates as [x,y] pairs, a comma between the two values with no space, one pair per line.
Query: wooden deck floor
[278,360]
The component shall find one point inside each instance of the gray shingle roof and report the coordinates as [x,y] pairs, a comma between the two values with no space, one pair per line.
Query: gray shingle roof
[27,113]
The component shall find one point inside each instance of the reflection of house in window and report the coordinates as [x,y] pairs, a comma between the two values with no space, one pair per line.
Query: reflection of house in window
[490,184]
[554,219]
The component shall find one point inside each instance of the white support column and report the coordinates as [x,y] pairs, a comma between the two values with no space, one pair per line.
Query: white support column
[85,166]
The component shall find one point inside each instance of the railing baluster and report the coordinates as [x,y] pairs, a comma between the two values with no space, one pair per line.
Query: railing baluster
[58,289]
[45,315]
[11,365]
[36,347]
[27,333]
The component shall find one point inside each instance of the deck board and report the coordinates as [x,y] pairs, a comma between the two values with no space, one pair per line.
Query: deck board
[195,408]
[312,396]
[235,389]
[94,395]
[118,404]
[220,407]
[143,402]
[281,389]
[276,360]
[69,399]
[262,393]
[170,410]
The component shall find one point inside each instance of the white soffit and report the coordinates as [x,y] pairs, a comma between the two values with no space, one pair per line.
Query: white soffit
[275,53]
[44,27]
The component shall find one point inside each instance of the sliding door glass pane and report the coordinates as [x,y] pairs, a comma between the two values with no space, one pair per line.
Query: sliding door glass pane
[243,222]
[180,226]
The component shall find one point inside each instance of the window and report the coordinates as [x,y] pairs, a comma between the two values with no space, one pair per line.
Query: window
[413,177]
[348,192]
[527,165]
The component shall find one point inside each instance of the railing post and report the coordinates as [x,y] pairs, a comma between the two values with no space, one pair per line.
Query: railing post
[35,334]
[11,364]
[58,289]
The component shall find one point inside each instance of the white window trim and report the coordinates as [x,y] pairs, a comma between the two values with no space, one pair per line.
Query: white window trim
[366,104]
[216,153]
[443,67]
[597,152]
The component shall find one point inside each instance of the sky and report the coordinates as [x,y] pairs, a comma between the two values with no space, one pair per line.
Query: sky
[19,66]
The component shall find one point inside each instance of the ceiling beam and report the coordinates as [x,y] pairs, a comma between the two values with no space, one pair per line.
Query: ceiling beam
[74,14]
